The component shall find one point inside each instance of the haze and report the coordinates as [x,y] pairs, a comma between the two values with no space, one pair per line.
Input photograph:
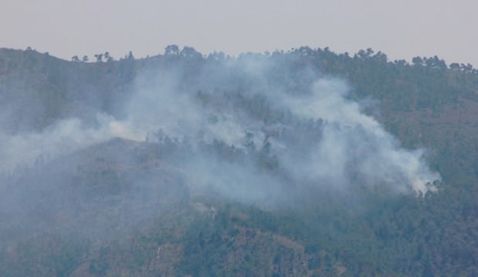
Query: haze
[402,29]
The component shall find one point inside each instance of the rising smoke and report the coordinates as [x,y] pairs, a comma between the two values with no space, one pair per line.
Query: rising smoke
[294,127]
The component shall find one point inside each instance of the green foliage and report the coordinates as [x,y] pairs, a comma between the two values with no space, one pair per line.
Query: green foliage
[425,103]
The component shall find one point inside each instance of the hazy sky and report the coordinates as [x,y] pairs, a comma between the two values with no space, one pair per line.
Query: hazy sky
[401,28]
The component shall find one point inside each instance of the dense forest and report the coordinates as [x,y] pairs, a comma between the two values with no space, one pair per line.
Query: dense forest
[299,163]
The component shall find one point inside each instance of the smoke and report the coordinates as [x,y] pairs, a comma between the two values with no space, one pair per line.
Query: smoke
[273,129]
[354,147]
[311,130]
[64,137]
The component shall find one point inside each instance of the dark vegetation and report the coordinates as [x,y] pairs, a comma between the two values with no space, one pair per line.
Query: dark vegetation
[426,103]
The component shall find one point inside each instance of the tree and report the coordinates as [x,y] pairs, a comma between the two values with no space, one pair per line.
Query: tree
[99,58]
[84,59]
[216,56]
[171,50]
[365,54]
[75,59]
[455,66]
[108,57]
[435,62]
[189,52]
[417,61]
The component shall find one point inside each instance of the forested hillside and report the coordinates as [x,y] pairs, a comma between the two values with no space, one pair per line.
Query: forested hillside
[298,163]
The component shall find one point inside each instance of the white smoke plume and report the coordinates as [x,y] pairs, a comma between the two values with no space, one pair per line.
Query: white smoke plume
[355,145]
[351,148]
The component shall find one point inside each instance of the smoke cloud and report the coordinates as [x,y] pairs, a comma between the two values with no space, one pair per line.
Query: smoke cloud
[249,130]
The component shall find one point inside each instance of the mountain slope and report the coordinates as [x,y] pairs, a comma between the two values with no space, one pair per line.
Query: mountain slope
[121,207]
